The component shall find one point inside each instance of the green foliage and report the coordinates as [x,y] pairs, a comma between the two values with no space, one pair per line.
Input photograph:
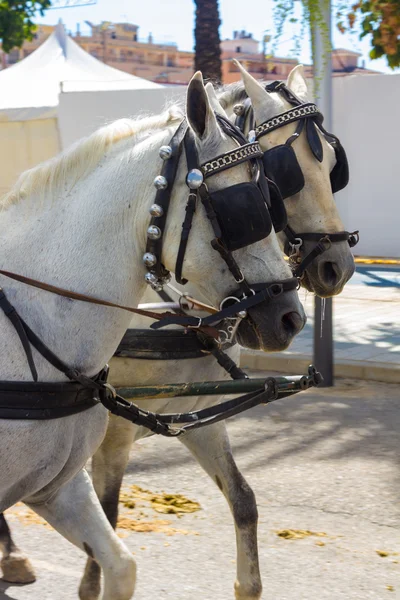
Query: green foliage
[379,19]
[306,14]
[16,23]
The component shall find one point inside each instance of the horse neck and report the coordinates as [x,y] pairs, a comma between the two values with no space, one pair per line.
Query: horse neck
[89,240]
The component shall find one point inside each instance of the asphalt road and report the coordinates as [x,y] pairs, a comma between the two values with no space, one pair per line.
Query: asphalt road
[325,461]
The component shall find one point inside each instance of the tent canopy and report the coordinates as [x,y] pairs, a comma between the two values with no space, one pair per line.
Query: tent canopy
[30,88]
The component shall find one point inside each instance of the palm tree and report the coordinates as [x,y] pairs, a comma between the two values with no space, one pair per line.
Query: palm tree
[207,42]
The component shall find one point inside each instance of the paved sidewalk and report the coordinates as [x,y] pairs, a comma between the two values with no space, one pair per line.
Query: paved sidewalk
[366,330]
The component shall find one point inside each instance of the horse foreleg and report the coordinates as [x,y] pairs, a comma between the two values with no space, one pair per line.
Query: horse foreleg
[15,565]
[108,468]
[75,512]
[211,448]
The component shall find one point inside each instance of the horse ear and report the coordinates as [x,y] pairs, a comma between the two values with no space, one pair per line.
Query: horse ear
[254,90]
[297,83]
[213,99]
[200,114]
[263,102]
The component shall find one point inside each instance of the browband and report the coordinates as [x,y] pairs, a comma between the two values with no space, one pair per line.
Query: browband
[231,159]
[294,114]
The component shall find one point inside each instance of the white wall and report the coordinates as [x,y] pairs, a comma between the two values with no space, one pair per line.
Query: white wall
[23,145]
[81,113]
[367,120]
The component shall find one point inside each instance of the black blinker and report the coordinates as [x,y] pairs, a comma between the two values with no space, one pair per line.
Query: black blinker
[314,140]
[282,167]
[340,172]
[242,215]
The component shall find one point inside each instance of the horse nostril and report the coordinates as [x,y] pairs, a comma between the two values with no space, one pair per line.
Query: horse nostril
[292,322]
[330,273]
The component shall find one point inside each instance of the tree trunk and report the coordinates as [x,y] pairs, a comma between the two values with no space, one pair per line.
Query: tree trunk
[207,42]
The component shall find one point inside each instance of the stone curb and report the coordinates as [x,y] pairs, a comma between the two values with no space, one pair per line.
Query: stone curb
[298,363]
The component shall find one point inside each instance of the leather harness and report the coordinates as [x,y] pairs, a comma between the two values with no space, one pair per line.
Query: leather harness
[37,400]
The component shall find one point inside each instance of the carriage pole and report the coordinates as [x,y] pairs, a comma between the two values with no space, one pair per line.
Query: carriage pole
[322,61]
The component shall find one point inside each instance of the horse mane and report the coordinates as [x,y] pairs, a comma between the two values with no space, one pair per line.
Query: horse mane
[231,93]
[82,157]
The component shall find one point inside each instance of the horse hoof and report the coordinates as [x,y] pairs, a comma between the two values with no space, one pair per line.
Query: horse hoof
[252,593]
[17,569]
[89,592]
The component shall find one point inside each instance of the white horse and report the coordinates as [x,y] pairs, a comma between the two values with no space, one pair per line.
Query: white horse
[313,210]
[79,222]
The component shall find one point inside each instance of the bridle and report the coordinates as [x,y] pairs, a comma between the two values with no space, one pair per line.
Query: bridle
[225,210]
[282,168]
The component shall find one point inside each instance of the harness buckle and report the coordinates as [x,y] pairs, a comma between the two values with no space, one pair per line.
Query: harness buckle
[239,280]
[295,254]
[325,242]
[354,238]
[111,389]
[198,324]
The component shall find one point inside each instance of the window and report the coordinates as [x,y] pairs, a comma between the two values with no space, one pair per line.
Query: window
[238,49]
[113,35]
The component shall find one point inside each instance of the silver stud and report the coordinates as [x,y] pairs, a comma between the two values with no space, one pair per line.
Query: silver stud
[242,314]
[165,152]
[194,179]
[252,136]
[156,210]
[151,279]
[154,232]
[238,109]
[160,182]
[157,287]
[149,259]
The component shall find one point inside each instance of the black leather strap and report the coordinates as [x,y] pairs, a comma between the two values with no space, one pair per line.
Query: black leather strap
[33,400]
[161,345]
[186,227]
[263,293]
[163,197]
[12,314]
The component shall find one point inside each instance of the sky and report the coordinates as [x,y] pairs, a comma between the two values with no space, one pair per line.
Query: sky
[173,21]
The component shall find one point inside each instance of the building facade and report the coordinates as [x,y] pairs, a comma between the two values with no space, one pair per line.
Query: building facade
[118,45]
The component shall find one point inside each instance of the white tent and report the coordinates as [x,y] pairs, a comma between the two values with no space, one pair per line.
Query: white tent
[29,98]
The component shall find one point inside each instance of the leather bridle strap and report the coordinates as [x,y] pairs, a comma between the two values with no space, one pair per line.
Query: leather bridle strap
[163,197]
[267,292]
[18,324]
[89,299]
[324,242]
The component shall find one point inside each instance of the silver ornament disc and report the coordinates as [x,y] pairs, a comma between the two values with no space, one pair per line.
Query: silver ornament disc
[160,182]
[194,179]
[238,109]
[156,210]
[165,152]
[154,232]
[251,136]
[149,259]
[151,279]
[157,287]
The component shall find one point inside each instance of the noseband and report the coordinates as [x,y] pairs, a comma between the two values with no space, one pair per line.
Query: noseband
[282,168]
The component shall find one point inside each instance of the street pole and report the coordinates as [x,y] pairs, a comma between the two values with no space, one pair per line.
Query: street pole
[322,61]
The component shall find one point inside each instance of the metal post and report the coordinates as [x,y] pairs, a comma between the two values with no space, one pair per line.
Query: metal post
[322,61]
